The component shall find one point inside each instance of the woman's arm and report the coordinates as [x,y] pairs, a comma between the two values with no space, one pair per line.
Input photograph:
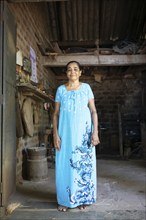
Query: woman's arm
[56,137]
[95,137]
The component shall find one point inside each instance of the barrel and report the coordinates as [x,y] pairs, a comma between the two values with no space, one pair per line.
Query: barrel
[37,164]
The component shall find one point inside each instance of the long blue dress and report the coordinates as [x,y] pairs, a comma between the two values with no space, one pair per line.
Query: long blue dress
[76,161]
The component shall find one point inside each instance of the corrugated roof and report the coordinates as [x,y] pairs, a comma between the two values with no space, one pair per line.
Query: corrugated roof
[84,22]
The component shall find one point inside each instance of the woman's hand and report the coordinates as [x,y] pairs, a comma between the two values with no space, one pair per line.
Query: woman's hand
[95,139]
[56,137]
[57,142]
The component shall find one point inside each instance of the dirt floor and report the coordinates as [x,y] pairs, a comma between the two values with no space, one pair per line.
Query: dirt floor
[120,195]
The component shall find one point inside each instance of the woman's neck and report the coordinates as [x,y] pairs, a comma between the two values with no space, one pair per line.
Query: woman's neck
[73,83]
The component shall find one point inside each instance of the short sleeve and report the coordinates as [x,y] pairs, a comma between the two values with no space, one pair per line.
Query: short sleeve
[58,95]
[90,93]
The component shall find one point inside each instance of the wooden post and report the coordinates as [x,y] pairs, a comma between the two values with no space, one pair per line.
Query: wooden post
[120,132]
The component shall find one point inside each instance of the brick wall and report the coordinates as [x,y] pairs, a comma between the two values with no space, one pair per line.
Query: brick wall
[114,96]
[32,28]
[143,125]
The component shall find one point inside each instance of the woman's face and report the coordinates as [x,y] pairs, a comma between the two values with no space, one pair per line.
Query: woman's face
[73,71]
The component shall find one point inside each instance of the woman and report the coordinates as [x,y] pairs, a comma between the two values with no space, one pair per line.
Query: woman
[75,130]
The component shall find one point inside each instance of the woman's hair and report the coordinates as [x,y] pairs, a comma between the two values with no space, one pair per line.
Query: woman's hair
[78,64]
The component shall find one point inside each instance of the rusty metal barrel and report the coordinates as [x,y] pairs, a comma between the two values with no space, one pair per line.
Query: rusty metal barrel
[37,169]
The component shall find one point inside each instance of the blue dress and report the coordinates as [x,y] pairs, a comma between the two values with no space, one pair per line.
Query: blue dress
[76,160]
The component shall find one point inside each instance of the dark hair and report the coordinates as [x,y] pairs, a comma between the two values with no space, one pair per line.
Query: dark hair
[78,64]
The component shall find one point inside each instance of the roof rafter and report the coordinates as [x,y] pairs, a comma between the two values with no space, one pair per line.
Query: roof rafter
[94,60]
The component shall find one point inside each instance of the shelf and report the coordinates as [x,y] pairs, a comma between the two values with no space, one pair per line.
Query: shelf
[33,92]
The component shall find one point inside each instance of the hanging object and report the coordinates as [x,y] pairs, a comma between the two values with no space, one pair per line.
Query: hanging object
[27,113]
[19,58]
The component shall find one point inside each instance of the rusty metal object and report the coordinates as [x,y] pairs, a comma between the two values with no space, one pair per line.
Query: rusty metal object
[37,164]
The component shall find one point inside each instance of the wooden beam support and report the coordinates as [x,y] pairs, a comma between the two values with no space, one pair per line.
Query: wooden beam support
[20,1]
[94,60]
[83,77]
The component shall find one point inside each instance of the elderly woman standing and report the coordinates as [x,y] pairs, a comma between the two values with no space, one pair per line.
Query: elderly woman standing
[75,130]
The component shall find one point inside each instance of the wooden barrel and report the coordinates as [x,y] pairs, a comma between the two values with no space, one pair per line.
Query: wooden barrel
[37,164]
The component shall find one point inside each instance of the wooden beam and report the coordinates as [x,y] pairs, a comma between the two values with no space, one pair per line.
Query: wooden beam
[20,1]
[83,77]
[94,60]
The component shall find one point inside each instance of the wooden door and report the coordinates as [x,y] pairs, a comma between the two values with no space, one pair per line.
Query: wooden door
[7,109]
[1,101]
